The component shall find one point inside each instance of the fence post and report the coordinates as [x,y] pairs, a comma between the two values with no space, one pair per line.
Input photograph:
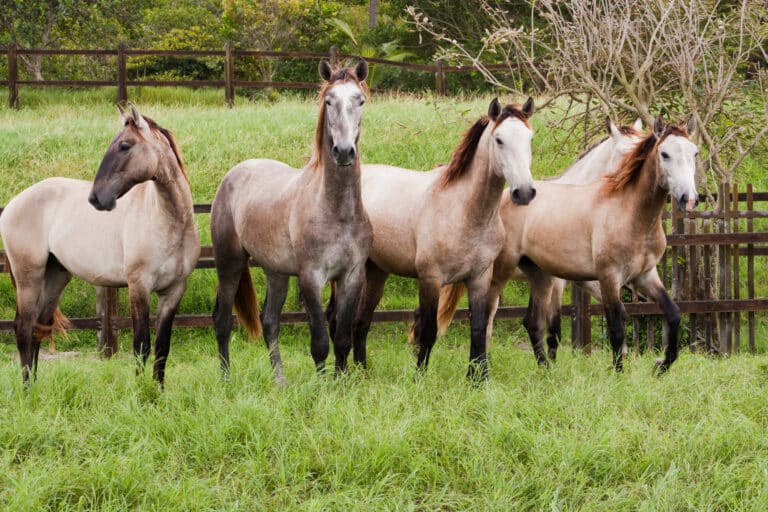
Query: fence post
[440,77]
[13,76]
[106,307]
[122,87]
[229,74]
[581,323]
[334,56]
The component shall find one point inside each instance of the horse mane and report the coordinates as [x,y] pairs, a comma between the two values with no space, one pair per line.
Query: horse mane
[632,163]
[341,75]
[171,140]
[465,152]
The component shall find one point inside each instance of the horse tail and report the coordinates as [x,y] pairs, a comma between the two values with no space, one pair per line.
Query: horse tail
[247,306]
[59,324]
[449,300]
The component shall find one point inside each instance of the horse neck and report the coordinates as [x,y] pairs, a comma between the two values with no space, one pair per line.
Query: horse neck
[646,196]
[172,189]
[484,185]
[340,186]
[589,167]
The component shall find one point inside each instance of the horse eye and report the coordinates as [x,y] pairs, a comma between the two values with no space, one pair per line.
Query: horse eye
[125,146]
[499,141]
[328,102]
[362,102]
[664,155]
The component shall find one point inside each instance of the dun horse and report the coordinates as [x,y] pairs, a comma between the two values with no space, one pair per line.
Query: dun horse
[144,237]
[443,226]
[309,223]
[612,233]
[600,159]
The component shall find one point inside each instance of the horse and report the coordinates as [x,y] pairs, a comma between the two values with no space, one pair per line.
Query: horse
[599,159]
[309,223]
[138,231]
[443,226]
[612,233]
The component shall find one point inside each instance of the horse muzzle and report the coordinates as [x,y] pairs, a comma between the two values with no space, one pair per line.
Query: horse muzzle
[522,196]
[343,156]
[102,203]
[688,203]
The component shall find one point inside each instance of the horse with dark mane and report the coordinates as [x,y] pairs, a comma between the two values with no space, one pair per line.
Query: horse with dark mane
[443,226]
[138,231]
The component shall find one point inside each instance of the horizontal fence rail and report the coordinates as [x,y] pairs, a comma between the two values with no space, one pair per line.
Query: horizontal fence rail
[710,317]
[228,81]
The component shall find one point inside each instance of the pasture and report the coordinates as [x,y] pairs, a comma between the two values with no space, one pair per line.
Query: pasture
[89,435]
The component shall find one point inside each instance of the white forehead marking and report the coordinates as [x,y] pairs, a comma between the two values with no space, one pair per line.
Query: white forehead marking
[512,125]
[345,90]
[677,144]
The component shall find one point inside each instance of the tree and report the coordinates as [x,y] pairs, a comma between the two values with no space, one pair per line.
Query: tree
[66,23]
[637,58]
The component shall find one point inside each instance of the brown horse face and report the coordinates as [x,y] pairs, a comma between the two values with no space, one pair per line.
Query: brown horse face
[130,159]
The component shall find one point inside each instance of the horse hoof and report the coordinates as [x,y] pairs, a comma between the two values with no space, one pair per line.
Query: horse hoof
[660,368]
[281,381]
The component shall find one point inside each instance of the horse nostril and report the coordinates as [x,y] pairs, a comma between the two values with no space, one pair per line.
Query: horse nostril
[533,193]
[352,153]
[93,199]
[684,199]
[335,151]
[516,194]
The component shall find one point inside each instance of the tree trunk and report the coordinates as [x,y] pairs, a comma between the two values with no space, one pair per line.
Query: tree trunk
[373,7]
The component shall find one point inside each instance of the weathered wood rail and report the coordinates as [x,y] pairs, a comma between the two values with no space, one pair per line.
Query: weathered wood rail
[228,81]
[706,246]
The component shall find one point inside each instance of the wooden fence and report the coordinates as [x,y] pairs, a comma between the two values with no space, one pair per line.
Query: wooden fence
[707,246]
[228,81]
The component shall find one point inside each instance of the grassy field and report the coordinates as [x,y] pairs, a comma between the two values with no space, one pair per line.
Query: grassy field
[89,435]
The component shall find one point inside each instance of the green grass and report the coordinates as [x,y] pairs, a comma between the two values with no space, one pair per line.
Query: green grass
[89,435]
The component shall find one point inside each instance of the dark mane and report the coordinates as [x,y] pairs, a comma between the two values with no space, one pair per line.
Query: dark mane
[632,163]
[465,151]
[341,75]
[169,137]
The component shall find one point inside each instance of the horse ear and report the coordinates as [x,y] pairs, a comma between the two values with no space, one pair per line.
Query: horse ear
[325,70]
[120,109]
[494,109]
[137,119]
[528,107]
[361,70]
[690,125]
[658,127]
[638,124]
[610,127]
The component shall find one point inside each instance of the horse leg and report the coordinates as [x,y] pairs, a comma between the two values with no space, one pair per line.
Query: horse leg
[167,304]
[615,317]
[541,285]
[651,285]
[554,322]
[56,279]
[478,290]
[311,283]
[277,291]
[429,297]
[348,290]
[229,272]
[370,295]
[138,294]
[28,290]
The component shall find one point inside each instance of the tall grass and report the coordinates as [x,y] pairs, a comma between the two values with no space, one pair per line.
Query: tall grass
[90,435]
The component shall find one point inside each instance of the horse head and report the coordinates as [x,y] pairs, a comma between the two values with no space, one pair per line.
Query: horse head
[343,95]
[510,148]
[677,162]
[133,157]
